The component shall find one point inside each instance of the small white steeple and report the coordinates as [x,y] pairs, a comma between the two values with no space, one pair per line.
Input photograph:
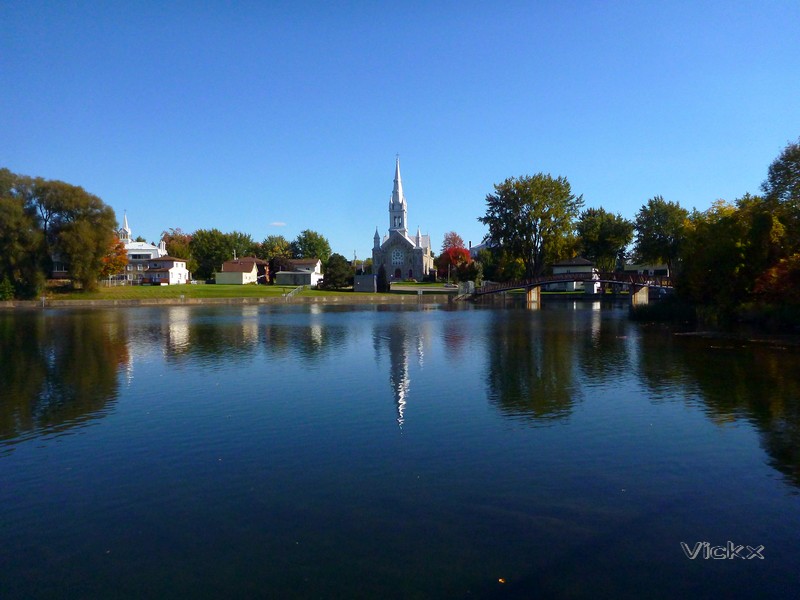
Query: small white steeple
[419,238]
[126,235]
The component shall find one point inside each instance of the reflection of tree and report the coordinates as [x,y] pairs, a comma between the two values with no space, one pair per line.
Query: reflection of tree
[734,380]
[58,370]
[530,366]
[308,337]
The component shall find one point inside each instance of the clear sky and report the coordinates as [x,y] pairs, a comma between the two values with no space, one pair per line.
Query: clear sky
[274,117]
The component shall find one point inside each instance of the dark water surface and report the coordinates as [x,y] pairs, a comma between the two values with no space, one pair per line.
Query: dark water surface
[387,452]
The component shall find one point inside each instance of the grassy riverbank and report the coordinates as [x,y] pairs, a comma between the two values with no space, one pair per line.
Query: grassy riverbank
[177,292]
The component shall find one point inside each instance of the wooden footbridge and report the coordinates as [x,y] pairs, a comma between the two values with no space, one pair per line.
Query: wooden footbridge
[638,285]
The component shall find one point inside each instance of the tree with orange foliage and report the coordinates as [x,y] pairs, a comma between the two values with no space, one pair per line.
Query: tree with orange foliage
[113,263]
[452,262]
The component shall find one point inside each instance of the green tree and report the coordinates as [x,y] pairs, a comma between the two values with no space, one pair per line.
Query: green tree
[274,246]
[381,280]
[210,248]
[240,243]
[338,273]
[179,246]
[660,229]
[21,247]
[310,244]
[782,190]
[78,227]
[603,237]
[532,218]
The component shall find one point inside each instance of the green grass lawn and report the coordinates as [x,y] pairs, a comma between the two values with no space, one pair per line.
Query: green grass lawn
[141,292]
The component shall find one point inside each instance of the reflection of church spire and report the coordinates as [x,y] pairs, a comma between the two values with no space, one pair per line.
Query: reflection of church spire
[398,374]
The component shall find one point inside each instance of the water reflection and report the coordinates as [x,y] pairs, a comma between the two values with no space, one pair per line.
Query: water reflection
[401,339]
[530,361]
[735,379]
[58,370]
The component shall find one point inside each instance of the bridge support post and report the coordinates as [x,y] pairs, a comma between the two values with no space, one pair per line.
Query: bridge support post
[641,297]
[533,295]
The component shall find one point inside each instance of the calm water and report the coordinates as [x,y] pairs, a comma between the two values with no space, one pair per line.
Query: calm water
[322,451]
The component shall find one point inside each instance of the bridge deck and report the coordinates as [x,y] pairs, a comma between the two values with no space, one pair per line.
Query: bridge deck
[632,279]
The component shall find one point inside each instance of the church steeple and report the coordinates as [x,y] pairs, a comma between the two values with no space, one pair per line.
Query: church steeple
[398,210]
[126,235]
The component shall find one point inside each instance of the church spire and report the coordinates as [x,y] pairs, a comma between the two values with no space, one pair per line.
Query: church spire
[397,190]
[397,206]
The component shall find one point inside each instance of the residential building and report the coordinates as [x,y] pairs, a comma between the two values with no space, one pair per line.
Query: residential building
[574,265]
[166,270]
[242,271]
[139,253]
[304,272]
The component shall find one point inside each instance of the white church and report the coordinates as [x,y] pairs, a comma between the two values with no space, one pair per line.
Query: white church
[402,256]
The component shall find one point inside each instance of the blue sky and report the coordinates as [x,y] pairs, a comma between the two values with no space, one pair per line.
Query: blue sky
[274,117]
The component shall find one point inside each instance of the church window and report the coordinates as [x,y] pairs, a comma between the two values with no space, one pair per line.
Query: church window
[398,256]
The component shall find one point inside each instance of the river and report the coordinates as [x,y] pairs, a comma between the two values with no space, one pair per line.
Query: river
[323,451]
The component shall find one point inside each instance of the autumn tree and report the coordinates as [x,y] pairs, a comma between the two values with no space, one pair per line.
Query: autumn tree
[603,237]
[452,240]
[532,218]
[452,263]
[115,260]
[660,229]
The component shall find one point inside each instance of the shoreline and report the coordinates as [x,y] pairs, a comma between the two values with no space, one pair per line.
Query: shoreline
[343,299]
[129,303]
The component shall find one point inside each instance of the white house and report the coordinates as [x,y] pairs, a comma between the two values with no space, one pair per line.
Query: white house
[139,253]
[243,271]
[166,270]
[304,272]
[655,270]
[574,265]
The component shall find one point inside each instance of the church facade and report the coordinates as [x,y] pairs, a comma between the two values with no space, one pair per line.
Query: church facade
[402,256]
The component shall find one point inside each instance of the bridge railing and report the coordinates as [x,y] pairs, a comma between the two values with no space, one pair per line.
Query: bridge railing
[635,279]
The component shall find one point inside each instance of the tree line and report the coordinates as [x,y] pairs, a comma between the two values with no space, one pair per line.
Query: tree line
[724,257]
[43,222]
[206,249]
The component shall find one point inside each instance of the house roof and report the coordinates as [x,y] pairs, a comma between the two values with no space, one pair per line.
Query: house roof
[578,261]
[242,265]
[167,259]
[304,262]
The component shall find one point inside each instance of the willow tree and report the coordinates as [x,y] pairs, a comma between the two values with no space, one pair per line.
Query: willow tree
[532,218]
